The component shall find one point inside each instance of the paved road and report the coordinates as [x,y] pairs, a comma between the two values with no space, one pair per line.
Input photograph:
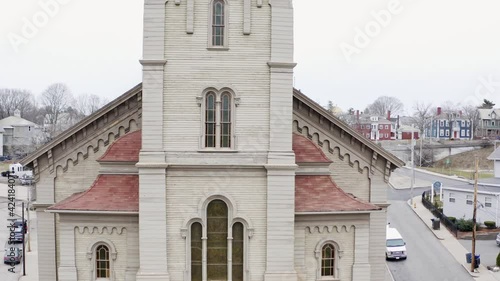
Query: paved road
[487,249]
[427,259]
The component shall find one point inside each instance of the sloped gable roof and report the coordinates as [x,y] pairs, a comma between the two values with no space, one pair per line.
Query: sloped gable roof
[395,162]
[124,149]
[82,124]
[14,121]
[108,193]
[306,151]
[318,193]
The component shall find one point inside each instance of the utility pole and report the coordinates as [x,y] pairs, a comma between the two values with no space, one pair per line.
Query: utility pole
[421,140]
[412,166]
[473,258]
[24,243]
[28,220]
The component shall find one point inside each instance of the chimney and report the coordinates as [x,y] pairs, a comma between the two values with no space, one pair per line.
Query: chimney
[17,113]
[389,115]
[439,110]
[460,113]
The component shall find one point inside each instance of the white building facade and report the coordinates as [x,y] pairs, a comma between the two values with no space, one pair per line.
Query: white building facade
[459,202]
[214,168]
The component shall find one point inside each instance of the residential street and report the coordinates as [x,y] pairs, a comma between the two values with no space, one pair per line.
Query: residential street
[427,259]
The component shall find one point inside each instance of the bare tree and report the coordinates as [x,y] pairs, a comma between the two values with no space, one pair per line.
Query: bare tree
[87,104]
[384,104]
[421,115]
[12,99]
[55,100]
[471,113]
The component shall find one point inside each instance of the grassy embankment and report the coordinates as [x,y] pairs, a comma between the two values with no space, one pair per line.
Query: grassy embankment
[462,164]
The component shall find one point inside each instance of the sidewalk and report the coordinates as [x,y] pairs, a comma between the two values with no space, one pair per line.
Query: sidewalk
[31,256]
[451,243]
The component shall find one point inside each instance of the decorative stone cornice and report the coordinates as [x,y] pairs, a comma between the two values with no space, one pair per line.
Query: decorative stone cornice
[153,62]
[283,65]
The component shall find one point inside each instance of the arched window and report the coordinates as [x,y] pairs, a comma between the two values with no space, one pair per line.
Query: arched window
[328,260]
[217,240]
[196,252]
[210,123]
[218,24]
[327,254]
[102,262]
[238,251]
[217,243]
[218,119]
[225,139]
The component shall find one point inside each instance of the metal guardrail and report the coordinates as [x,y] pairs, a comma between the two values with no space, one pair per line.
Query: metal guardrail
[451,226]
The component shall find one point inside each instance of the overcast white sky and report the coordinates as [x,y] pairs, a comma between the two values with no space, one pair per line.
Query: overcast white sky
[431,51]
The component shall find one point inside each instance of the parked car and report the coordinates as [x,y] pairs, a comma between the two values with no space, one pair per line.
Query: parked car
[26,180]
[12,255]
[5,157]
[19,223]
[498,239]
[18,235]
[4,173]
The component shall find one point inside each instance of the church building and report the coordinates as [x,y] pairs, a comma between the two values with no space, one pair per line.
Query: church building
[214,167]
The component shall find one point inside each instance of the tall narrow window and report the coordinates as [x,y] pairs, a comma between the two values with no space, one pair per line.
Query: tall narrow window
[217,224]
[225,140]
[210,127]
[218,23]
[102,262]
[238,252]
[196,252]
[218,118]
[328,260]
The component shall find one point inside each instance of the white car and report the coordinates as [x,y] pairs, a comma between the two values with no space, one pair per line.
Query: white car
[498,239]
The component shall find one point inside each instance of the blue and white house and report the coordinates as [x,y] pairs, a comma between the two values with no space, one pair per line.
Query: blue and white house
[450,125]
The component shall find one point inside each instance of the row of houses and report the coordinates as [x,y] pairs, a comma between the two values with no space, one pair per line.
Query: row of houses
[440,126]
[377,128]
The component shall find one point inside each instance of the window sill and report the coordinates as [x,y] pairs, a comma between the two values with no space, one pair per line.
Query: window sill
[328,279]
[218,48]
[211,150]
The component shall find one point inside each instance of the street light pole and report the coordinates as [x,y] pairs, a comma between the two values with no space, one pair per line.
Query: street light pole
[28,219]
[412,165]
[473,252]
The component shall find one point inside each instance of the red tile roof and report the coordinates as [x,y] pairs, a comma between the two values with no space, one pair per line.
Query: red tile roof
[124,149]
[306,151]
[321,194]
[107,193]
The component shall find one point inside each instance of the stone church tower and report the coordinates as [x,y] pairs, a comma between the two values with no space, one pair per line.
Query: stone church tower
[217,123]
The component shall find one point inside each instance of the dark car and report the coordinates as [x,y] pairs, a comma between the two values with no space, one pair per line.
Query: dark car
[19,223]
[4,173]
[16,236]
